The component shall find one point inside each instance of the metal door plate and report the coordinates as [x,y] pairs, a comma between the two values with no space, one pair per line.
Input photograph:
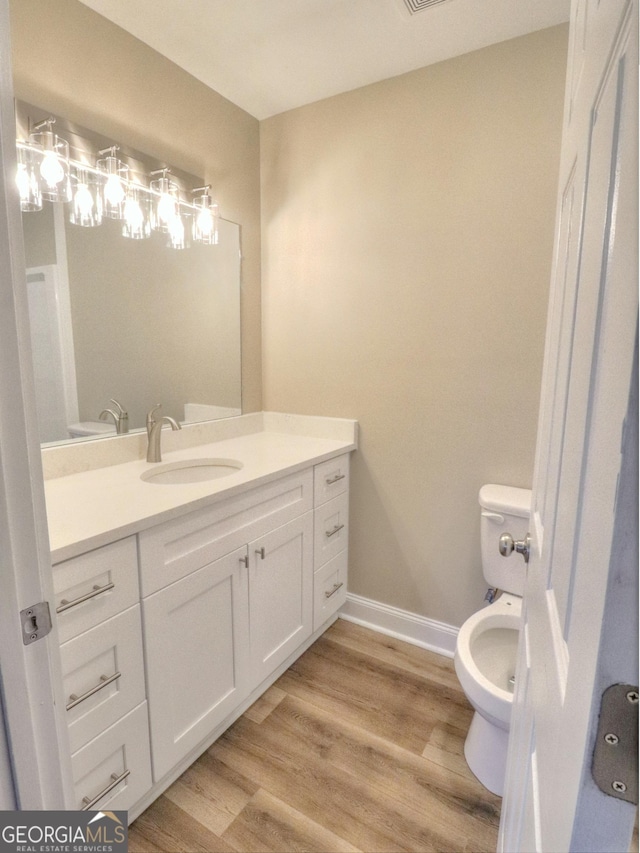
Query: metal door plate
[35,621]
[615,757]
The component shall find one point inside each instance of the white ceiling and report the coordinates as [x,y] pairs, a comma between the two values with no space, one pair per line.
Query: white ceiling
[268,56]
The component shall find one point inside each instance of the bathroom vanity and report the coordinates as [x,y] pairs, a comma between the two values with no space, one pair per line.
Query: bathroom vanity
[179,603]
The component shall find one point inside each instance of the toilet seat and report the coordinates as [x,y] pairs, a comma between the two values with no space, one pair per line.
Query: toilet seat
[484,692]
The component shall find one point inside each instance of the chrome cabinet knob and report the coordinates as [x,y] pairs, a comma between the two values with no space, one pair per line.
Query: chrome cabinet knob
[508,545]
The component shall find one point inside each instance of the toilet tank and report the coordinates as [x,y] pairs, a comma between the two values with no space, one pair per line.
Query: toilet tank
[504,509]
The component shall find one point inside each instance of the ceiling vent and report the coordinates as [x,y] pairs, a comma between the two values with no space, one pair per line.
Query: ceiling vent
[414,6]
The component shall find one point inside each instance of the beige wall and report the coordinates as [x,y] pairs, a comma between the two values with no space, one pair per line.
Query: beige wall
[407,240]
[72,61]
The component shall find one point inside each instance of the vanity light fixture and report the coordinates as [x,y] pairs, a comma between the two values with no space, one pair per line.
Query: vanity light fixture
[54,162]
[205,217]
[116,174]
[110,189]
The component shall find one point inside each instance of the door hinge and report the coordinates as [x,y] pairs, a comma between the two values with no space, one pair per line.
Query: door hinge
[35,621]
[615,756]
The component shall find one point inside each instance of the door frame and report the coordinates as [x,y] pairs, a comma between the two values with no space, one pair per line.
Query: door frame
[29,674]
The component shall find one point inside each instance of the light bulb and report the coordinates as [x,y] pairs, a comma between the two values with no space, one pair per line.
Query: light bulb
[83,201]
[51,169]
[22,181]
[166,209]
[133,214]
[204,222]
[114,191]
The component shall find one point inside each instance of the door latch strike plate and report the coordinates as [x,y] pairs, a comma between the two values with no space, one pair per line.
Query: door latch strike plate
[35,621]
[615,757]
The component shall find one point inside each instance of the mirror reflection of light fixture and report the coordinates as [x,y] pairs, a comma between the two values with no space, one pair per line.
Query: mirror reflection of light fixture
[179,229]
[165,205]
[54,165]
[136,224]
[116,174]
[86,204]
[205,217]
[27,177]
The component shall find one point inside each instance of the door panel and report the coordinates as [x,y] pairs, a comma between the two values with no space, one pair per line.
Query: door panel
[280,593]
[589,358]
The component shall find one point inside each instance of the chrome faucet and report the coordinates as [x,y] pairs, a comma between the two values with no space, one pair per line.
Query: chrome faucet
[154,431]
[120,417]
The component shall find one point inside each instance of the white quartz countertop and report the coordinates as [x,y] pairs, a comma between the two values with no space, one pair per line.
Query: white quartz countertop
[92,508]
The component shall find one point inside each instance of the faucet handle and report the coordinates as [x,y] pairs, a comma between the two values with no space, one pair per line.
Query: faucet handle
[119,407]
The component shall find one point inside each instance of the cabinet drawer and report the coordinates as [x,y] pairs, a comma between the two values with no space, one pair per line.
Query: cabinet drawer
[330,479]
[330,589]
[171,551]
[114,770]
[103,675]
[330,529]
[95,586]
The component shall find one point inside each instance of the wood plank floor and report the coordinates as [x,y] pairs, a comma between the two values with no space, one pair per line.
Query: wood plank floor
[357,747]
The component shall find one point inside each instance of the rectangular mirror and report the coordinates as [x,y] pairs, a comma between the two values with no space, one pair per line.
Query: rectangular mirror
[129,320]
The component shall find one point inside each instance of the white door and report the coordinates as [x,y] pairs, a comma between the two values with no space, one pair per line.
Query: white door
[29,674]
[551,803]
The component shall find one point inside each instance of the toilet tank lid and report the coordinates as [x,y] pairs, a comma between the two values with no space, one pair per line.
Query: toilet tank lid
[508,499]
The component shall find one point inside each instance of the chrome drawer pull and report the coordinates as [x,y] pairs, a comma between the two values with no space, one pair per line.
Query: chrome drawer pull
[89,804]
[336,529]
[331,480]
[261,552]
[97,590]
[331,592]
[104,681]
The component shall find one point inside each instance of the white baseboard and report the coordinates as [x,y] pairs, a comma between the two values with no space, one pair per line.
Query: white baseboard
[409,627]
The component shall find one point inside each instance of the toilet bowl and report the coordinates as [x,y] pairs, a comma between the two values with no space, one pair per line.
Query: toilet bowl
[487,643]
[485,663]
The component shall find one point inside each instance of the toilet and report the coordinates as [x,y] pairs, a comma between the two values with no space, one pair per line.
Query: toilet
[486,648]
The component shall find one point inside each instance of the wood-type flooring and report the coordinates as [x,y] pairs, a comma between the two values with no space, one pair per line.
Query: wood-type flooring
[356,747]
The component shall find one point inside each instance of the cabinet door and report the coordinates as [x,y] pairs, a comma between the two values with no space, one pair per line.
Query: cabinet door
[280,594]
[196,634]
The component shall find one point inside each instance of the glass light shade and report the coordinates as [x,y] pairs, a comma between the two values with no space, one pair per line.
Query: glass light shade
[54,165]
[136,223]
[28,177]
[86,204]
[205,221]
[116,174]
[178,231]
[165,203]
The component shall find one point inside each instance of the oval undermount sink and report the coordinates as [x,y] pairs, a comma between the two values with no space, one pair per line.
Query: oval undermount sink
[190,471]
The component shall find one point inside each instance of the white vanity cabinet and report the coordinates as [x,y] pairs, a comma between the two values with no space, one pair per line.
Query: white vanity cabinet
[169,634]
[98,615]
